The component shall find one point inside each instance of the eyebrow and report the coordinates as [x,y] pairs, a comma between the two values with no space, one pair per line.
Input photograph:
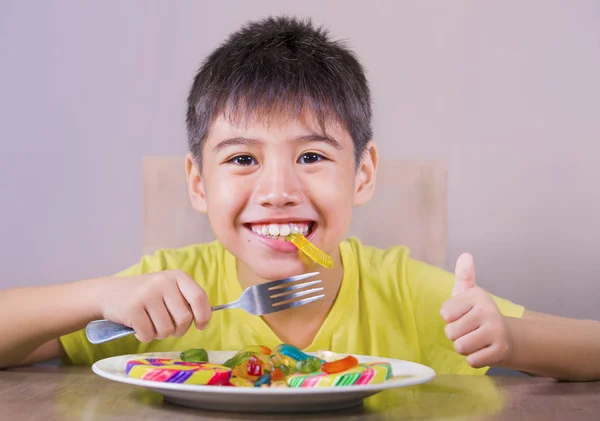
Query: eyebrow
[244,141]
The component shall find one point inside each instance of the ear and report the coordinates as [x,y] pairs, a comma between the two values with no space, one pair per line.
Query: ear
[195,182]
[366,175]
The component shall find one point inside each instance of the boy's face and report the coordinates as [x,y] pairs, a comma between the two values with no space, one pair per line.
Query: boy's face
[259,180]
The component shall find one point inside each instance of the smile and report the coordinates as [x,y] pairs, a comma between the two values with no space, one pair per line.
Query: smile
[280,231]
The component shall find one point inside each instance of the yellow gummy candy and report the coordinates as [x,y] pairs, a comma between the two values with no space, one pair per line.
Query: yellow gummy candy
[311,250]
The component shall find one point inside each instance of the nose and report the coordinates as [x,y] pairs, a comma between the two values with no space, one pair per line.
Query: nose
[279,186]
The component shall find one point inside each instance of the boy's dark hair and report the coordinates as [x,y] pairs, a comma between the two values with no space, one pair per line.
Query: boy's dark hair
[280,64]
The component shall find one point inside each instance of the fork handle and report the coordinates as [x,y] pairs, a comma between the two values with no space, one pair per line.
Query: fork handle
[233,304]
[100,331]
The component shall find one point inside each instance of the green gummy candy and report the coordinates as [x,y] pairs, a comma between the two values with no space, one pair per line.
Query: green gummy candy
[194,356]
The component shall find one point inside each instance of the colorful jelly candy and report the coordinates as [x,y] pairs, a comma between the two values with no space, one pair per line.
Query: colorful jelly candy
[294,359]
[362,374]
[261,352]
[255,367]
[312,251]
[309,365]
[237,359]
[291,351]
[173,371]
[259,366]
[340,365]
[265,379]
[241,382]
[241,371]
[194,355]
[277,374]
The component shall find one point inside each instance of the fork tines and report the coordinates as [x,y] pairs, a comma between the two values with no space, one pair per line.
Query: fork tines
[281,282]
[282,291]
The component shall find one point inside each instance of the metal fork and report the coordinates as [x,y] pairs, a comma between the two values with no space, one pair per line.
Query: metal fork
[258,300]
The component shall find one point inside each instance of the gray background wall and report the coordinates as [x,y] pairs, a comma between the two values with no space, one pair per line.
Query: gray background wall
[507,91]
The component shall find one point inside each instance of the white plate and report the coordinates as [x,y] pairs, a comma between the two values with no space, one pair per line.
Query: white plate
[243,399]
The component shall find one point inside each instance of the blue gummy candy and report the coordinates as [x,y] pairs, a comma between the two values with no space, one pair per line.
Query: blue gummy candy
[292,352]
[264,379]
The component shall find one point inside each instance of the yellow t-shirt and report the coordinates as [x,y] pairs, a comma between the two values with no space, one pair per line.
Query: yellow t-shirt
[388,306]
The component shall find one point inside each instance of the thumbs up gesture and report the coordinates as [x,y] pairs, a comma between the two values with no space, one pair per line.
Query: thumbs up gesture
[473,321]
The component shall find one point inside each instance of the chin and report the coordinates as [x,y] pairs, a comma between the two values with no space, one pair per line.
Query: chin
[278,270]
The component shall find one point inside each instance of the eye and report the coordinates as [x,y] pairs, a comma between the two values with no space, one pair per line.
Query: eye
[243,160]
[310,158]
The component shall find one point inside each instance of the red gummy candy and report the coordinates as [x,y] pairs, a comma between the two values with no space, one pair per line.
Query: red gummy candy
[254,366]
[340,365]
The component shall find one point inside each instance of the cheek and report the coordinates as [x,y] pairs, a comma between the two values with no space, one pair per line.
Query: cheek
[225,200]
[335,200]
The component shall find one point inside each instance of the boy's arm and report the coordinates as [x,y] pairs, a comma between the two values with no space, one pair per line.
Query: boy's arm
[557,347]
[32,319]
[156,305]
[51,350]
[537,343]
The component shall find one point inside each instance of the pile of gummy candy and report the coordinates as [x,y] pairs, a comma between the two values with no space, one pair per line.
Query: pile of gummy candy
[259,366]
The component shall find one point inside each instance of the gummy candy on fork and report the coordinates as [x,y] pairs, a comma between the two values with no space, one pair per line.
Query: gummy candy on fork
[311,250]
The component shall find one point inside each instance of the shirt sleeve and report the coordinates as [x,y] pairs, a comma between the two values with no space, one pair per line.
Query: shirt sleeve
[429,288]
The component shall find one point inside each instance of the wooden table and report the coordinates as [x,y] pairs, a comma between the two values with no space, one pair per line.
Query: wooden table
[75,393]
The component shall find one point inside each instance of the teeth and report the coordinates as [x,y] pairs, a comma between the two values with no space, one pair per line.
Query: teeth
[284,230]
[280,231]
[273,230]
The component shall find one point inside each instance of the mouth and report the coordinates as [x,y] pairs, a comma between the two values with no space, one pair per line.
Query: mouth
[279,231]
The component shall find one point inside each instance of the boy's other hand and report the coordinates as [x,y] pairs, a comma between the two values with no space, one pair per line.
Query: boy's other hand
[156,305]
[473,321]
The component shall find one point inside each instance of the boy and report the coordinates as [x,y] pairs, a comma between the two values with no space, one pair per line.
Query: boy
[279,124]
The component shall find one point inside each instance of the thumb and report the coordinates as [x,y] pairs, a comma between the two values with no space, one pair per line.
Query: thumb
[465,274]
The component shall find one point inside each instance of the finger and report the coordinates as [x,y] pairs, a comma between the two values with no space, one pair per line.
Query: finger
[472,342]
[464,325]
[141,323]
[161,319]
[457,307]
[465,274]
[484,357]
[179,310]
[196,298]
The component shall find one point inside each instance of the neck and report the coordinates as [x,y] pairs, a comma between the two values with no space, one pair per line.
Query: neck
[299,325]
